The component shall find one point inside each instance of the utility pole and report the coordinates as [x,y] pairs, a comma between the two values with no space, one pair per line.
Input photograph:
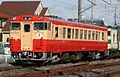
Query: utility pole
[92,12]
[115,15]
[79,10]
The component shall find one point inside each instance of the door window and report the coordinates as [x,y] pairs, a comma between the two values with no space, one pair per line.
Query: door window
[26,28]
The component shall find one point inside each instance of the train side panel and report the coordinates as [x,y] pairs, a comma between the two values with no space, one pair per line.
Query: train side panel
[112,40]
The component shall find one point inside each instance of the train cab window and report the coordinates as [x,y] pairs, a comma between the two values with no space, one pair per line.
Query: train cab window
[56,32]
[89,35]
[69,33]
[85,34]
[81,34]
[93,35]
[72,33]
[15,26]
[26,28]
[64,32]
[40,26]
[76,33]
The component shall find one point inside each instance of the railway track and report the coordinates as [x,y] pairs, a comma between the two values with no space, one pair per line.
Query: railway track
[10,68]
[92,69]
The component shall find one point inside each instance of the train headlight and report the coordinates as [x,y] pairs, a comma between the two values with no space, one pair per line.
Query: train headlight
[14,18]
[39,35]
[40,18]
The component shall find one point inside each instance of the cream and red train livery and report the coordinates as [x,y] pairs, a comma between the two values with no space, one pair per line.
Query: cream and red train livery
[36,37]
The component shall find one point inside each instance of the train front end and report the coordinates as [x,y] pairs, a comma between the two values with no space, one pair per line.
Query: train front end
[27,34]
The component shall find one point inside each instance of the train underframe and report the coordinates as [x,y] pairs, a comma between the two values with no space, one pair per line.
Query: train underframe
[63,57]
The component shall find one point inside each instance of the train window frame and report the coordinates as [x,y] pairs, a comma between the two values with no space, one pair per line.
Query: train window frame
[39,27]
[89,35]
[56,32]
[26,27]
[73,31]
[16,26]
[52,30]
[103,36]
[85,34]
[1,37]
[96,35]
[69,33]
[48,26]
[64,32]
[109,33]
[113,38]
[76,33]
[81,34]
[93,35]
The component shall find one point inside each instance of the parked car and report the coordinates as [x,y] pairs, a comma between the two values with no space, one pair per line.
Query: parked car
[5,54]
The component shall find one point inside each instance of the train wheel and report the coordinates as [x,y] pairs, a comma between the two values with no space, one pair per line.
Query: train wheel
[93,56]
[73,57]
[65,57]
[79,56]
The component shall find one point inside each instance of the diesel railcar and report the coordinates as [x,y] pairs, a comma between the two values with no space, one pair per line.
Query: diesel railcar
[41,38]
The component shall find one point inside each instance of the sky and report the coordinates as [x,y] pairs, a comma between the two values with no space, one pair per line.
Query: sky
[69,8]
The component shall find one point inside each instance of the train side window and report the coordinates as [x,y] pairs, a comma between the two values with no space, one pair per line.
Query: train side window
[89,35]
[76,33]
[15,26]
[56,32]
[85,34]
[69,33]
[96,35]
[103,35]
[93,35]
[99,35]
[7,40]
[113,37]
[64,32]
[1,37]
[72,33]
[26,28]
[109,33]
[81,34]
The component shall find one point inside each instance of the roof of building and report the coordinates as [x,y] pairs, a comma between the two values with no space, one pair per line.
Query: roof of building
[43,11]
[3,15]
[14,8]
[6,27]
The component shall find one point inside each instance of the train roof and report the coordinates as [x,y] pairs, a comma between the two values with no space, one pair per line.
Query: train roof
[30,18]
